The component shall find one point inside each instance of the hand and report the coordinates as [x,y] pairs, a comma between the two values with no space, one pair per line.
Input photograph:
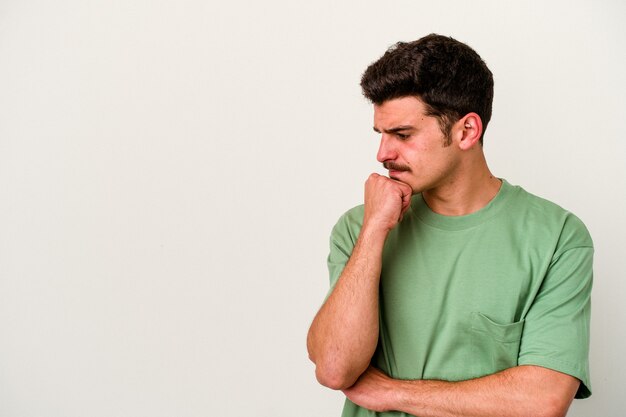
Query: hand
[373,390]
[386,201]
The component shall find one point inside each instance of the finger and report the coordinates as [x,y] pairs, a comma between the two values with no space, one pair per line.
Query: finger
[406,189]
[406,201]
[406,198]
[404,210]
[373,176]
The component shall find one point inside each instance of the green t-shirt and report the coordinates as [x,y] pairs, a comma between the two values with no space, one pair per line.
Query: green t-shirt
[467,296]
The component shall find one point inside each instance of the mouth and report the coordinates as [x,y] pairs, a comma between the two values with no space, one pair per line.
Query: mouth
[394,173]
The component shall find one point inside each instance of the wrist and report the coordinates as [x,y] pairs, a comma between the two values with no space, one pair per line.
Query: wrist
[373,237]
[375,229]
[398,395]
[370,242]
[395,396]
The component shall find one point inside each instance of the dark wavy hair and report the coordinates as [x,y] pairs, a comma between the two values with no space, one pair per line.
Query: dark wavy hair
[448,76]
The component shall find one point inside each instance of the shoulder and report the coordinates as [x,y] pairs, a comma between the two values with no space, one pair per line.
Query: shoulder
[349,224]
[540,214]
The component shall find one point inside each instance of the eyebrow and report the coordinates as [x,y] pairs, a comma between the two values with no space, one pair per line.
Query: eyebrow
[395,129]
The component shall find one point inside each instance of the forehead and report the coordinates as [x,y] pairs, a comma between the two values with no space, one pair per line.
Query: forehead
[399,111]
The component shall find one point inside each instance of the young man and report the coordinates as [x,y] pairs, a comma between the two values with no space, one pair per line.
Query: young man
[453,292]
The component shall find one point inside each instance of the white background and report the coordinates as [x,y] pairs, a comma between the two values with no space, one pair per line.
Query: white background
[170,172]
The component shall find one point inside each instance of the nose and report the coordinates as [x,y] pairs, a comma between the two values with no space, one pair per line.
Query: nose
[386,150]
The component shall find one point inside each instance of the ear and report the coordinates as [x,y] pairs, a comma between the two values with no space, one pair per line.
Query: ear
[470,129]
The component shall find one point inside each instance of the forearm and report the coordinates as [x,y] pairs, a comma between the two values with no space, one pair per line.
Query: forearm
[516,392]
[522,391]
[344,333]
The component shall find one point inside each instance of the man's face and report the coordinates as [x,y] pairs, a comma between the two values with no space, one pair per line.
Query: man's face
[412,146]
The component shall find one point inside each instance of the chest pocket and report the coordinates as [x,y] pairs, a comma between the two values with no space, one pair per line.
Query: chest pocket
[495,346]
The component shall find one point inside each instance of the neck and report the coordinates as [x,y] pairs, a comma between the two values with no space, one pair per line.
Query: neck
[467,192]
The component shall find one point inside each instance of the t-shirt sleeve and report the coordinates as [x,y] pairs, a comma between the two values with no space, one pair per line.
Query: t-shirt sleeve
[342,240]
[556,328]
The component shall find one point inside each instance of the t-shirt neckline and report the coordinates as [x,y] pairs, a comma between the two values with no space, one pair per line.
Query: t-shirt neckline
[440,221]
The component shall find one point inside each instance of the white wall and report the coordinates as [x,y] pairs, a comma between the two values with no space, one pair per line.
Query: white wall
[170,172]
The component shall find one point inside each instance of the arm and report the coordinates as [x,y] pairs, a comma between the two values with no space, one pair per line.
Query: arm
[553,354]
[344,333]
[522,391]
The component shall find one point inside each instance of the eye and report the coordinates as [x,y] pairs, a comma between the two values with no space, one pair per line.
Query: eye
[402,136]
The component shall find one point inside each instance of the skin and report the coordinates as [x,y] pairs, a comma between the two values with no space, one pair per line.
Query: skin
[522,391]
[344,333]
[454,180]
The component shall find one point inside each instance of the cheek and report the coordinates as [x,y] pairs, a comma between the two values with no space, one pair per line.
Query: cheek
[433,161]
[421,156]
[416,155]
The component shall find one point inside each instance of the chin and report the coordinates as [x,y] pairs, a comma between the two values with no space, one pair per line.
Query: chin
[413,189]
[420,188]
